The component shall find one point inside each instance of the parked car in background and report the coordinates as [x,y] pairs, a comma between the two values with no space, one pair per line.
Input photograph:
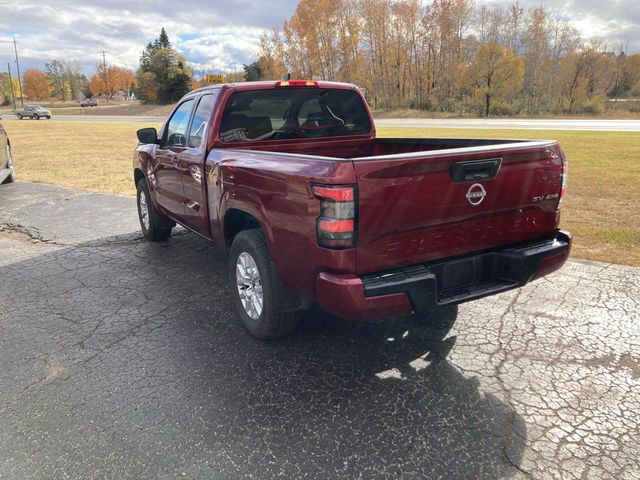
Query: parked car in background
[35,112]
[7,174]
[89,102]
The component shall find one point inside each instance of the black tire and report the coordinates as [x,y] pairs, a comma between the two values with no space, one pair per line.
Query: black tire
[19,117]
[48,117]
[157,227]
[270,323]
[12,175]
[36,117]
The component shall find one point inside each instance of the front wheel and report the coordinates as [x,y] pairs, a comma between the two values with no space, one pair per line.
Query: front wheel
[36,117]
[155,226]
[19,117]
[251,281]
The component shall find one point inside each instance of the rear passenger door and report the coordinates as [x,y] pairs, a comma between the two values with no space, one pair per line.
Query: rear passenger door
[169,188]
[191,163]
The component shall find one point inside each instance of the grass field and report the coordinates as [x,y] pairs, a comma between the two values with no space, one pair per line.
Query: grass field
[602,208]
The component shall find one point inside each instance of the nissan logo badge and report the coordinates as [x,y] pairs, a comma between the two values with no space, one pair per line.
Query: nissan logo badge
[475,195]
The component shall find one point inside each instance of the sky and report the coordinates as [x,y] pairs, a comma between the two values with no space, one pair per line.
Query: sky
[217,36]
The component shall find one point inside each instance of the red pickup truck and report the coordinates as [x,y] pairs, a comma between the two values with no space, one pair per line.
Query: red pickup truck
[290,176]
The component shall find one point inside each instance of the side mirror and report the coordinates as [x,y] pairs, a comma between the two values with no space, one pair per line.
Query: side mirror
[147,135]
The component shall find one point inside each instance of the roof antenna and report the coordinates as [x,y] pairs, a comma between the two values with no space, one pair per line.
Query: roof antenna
[286,76]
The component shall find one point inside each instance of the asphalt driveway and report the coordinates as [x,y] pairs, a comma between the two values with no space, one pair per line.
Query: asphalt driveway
[123,359]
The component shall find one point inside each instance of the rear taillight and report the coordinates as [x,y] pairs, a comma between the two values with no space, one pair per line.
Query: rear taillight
[336,226]
[563,187]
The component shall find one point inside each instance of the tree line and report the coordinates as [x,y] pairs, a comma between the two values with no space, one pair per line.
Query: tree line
[450,56]
[63,80]
[442,55]
[161,78]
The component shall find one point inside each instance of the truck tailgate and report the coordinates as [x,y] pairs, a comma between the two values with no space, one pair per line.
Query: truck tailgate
[418,207]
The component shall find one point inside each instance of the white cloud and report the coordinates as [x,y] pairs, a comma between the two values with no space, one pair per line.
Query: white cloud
[221,35]
[223,50]
[613,22]
[213,37]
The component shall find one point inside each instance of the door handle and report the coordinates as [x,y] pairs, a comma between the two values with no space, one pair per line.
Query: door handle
[475,170]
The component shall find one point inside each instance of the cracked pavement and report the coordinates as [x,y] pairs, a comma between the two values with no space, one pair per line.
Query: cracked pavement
[123,359]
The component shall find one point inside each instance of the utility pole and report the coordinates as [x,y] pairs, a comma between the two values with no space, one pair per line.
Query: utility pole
[104,71]
[15,47]
[13,95]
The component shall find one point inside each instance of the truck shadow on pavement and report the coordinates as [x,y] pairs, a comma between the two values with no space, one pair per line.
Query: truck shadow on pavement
[125,359]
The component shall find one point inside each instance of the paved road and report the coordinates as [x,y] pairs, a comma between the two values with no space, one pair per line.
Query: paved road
[518,124]
[96,118]
[123,359]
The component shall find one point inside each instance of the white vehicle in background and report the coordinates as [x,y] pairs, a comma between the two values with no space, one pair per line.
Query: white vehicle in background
[35,112]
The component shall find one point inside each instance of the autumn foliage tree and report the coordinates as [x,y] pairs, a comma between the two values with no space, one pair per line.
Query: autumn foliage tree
[110,80]
[448,55]
[66,79]
[35,84]
[8,88]
[495,74]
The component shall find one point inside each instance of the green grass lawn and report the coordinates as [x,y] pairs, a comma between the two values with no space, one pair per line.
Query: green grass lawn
[602,208]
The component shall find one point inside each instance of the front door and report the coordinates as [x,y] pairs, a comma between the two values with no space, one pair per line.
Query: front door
[192,164]
[169,188]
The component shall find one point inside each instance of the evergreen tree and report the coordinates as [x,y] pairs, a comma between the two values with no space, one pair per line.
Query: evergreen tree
[163,40]
[252,72]
[163,76]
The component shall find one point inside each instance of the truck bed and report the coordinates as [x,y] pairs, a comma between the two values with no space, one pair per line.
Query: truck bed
[359,149]
[394,146]
[412,193]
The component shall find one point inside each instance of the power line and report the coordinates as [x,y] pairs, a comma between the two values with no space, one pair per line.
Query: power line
[104,72]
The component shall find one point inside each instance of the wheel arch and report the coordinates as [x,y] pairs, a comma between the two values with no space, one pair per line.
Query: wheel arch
[138,175]
[236,221]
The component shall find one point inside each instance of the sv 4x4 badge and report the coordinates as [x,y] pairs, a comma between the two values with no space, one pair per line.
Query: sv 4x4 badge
[541,198]
[475,195]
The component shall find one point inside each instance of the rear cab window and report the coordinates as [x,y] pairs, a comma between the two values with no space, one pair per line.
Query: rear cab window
[290,113]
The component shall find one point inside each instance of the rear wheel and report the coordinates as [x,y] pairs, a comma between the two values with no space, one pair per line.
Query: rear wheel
[155,226]
[12,175]
[251,281]
[36,117]
[19,117]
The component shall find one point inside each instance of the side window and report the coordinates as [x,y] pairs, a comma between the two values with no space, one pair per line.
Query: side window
[200,119]
[176,133]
